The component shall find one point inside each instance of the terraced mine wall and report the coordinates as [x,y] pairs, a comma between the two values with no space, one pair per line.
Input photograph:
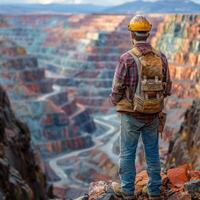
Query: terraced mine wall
[185,147]
[56,122]
[178,37]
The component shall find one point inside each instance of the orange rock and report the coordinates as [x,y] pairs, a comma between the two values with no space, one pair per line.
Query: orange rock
[178,176]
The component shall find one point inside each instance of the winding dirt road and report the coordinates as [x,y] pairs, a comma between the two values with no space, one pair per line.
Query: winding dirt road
[109,123]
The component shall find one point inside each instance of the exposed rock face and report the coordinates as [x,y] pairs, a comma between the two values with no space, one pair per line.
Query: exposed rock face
[178,38]
[185,148]
[20,175]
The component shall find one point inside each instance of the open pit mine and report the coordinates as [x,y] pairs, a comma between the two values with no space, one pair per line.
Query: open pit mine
[57,71]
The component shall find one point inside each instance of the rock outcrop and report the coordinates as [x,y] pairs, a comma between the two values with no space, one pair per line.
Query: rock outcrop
[178,38]
[20,174]
[185,146]
[177,184]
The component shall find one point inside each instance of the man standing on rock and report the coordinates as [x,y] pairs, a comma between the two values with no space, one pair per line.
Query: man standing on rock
[140,84]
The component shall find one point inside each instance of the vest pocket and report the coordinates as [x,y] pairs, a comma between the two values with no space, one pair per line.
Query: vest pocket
[148,106]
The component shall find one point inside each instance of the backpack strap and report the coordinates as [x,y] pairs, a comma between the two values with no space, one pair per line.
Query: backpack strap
[136,51]
[136,54]
[156,52]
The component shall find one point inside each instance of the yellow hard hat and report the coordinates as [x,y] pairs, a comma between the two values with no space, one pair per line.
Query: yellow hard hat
[139,23]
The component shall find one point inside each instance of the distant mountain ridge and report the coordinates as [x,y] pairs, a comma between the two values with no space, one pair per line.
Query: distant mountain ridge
[161,6]
[58,8]
[138,6]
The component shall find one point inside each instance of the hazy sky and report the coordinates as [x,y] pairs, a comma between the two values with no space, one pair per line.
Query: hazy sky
[100,2]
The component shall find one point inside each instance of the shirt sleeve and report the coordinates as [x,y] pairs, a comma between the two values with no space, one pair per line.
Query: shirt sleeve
[166,78]
[118,84]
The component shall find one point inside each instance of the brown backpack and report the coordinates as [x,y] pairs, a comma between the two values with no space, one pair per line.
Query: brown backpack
[149,96]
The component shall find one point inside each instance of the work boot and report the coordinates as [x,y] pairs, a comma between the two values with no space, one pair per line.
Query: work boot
[119,194]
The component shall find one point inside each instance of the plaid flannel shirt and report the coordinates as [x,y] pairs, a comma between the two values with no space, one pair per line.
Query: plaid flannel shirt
[126,75]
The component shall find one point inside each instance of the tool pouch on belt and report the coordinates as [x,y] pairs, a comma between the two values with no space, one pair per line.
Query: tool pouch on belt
[149,96]
[147,105]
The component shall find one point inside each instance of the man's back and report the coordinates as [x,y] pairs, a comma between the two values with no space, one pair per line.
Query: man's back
[126,76]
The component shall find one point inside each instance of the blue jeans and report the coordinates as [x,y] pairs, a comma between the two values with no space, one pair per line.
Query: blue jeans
[131,129]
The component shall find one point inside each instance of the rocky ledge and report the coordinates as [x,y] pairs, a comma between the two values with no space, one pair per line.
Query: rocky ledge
[179,183]
[185,145]
[20,176]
